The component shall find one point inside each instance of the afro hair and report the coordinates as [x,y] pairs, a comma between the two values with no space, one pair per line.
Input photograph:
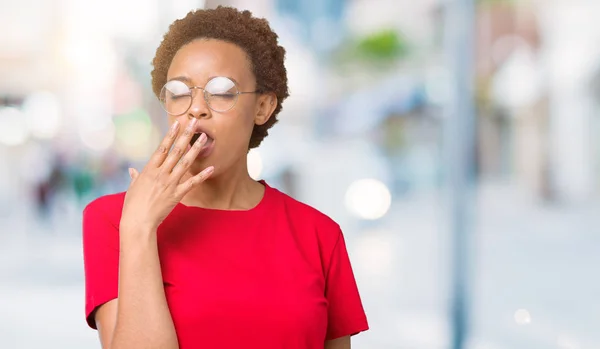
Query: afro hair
[253,35]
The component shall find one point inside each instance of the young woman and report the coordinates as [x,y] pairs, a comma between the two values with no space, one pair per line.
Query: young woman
[196,254]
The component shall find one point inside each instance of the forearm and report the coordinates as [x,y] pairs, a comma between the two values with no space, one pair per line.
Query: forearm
[143,316]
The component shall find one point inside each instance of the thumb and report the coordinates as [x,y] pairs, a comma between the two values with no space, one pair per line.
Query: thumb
[133,174]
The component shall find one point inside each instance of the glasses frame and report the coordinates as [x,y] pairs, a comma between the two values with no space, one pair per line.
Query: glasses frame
[204,93]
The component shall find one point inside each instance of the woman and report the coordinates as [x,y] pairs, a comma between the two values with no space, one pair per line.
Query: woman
[196,254]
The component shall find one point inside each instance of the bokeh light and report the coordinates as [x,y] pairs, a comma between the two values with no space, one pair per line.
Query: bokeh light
[255,164]
[522,317]
[98,139]
[13,127]
[43,113]
[368,199]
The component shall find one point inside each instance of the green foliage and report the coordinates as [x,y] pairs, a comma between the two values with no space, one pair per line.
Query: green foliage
[379,49]
[384,45]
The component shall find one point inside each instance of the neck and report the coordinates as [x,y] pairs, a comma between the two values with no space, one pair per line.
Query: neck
[232,189]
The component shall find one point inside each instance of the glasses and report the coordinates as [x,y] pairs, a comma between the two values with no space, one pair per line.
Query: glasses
[220,93]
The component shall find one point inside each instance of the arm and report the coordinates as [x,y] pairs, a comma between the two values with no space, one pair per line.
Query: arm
[105,318]
[140,316]
[338,343]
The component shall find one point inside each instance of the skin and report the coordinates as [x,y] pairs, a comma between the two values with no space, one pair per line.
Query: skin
[140,317]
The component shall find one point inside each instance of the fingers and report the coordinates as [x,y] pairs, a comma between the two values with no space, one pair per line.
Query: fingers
[188,185]
[161,153]
[185,163]
[179,148]
[133,174]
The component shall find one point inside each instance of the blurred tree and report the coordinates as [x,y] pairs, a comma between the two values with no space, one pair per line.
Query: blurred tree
[383,45]
[379,49]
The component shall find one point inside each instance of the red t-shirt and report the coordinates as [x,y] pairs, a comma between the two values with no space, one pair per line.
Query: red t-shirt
[275,276]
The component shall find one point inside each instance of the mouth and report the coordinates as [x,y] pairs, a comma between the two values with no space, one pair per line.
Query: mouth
[195,138]
[208,146]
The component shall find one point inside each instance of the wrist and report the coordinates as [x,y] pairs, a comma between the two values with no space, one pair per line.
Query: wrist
[136,230]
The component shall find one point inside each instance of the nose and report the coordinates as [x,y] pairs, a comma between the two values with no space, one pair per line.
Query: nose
[199,107]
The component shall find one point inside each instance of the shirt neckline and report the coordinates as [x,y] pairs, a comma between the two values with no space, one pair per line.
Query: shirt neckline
[259,207]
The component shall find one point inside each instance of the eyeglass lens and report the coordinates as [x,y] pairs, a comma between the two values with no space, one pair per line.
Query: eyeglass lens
[220,94]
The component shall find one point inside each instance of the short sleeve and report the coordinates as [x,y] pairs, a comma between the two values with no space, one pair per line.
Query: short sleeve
[101,259]
[346,315]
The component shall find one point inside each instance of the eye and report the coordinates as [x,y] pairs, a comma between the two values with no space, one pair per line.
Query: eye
[174,97]
[223,95]
[176,89]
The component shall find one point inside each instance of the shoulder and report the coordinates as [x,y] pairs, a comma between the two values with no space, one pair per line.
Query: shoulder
[309,218]
[105,209]
[108,203]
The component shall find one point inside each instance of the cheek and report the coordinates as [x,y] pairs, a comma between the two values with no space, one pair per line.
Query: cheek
[236,127]
[172,119]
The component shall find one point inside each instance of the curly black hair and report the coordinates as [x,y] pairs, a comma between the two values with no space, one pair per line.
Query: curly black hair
[253,35]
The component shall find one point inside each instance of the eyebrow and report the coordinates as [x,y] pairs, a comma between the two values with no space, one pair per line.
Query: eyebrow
[182,78]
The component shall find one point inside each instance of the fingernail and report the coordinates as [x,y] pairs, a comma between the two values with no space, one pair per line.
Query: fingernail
[192,123]
[130,173]
[207,171]
[174,127]
[200,141]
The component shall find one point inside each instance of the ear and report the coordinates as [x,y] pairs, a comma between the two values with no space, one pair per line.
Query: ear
[267,102]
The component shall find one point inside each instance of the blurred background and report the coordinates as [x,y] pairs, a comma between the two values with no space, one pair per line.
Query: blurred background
[364,138]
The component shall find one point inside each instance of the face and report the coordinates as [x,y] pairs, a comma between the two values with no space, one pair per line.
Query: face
[229,131]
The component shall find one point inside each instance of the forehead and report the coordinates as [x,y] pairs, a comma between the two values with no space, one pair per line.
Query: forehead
[201,59]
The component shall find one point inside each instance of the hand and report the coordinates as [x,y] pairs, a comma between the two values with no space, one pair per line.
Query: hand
[154,192]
